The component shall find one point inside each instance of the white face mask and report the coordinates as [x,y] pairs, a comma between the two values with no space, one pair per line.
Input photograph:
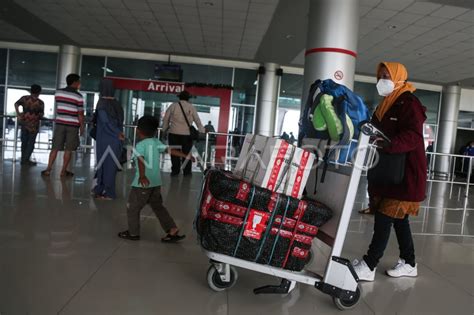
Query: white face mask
[385,87]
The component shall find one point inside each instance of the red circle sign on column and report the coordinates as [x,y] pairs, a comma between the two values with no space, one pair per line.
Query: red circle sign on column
[338,75]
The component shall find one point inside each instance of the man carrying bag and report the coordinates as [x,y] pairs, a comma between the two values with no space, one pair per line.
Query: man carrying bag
[178,122]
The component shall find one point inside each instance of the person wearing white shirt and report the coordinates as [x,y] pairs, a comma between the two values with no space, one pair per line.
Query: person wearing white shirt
[175,124]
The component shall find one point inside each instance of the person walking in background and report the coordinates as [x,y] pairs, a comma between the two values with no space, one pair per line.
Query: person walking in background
[292,138]
[109,136]
[29,119]
[236,142]
[175,124]
[400,116]
[209,127]
[146,186]
[69,123]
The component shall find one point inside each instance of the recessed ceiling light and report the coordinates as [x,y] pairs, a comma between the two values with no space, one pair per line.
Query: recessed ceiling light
[107,69]
[289,36]
[23,61]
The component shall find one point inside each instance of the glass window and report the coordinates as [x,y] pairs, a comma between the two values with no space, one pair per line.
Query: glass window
[31,67]
[245,86]
[131,68]
[90,103]
[2,120]
[291,91]
[466,119]
[2,98]
[242,119]
[287,121]
[14,94]
[430,100]
[3,65]
[145,69]
[463,138]
[206,74]
[430,132]
[92,70]
[368,93]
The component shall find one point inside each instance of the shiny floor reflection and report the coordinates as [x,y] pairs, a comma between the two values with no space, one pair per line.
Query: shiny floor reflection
[60,254]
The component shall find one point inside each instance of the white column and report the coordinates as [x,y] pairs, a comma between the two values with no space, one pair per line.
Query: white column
[267,100]
[69,58]
[448,122]
[331,47]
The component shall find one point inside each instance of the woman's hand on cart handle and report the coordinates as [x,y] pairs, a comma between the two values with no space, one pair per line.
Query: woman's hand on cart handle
[381,143]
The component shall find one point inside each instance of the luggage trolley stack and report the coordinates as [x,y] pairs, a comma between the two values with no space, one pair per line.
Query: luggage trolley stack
[334,184]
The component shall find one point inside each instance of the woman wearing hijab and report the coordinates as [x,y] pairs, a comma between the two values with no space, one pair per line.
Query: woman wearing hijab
[109,115]
[400,116]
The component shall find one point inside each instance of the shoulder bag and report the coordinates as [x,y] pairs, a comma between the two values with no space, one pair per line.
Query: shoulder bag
[389,169]
[193,132]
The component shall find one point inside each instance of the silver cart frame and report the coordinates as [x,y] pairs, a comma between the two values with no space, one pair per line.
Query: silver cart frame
[339,280]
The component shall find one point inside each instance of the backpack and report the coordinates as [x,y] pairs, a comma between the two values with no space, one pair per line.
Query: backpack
[320,121]
[332,112]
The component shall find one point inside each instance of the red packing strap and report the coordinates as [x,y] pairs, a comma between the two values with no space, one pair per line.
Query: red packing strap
[279,161]
[287,234]
[301,227]
[272,203]
[300,174]
[300,215]
[224,218]
[302,206]
[229,208]
[299,252]
[207,202]
[243,192]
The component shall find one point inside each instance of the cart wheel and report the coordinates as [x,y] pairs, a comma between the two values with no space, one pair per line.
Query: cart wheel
[214,280]
[347,304]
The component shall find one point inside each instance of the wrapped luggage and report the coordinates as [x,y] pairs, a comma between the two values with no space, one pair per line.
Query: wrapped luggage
[274,164]
[245,221]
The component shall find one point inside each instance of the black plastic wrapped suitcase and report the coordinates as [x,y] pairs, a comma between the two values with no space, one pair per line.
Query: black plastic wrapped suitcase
[241,220]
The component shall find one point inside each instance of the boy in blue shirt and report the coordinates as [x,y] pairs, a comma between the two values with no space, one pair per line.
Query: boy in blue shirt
[146,184]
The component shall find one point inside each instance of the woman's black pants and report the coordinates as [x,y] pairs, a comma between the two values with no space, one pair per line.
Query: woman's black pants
[382,229]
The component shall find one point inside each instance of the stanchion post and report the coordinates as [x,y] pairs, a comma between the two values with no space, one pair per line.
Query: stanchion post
[469,171]
[134,141]
[206,147]
[15,139]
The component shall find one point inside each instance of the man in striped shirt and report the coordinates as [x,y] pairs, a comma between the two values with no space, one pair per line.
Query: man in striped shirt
[69,123]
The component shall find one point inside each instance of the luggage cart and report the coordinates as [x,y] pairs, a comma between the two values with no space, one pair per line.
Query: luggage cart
[339,279]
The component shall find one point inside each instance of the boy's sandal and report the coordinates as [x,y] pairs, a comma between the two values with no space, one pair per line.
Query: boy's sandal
[366,211]
[46,173]
[172,238]
[126,235]
[67,174]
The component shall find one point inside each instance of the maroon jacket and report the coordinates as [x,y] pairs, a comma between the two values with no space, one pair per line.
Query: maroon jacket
[403,124]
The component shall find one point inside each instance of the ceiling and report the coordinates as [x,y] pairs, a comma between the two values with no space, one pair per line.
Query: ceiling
[435,39]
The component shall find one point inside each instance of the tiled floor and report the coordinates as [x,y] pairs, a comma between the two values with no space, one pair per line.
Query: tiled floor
[59,254]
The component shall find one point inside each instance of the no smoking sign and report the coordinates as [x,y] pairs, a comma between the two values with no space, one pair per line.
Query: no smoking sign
[338,75]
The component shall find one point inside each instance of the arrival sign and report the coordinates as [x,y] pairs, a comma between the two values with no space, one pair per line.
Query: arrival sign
[147,85]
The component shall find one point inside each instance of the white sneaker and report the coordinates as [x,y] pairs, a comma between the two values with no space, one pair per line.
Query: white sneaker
[363,271]
[402,269]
